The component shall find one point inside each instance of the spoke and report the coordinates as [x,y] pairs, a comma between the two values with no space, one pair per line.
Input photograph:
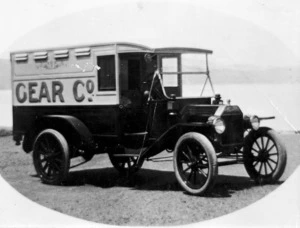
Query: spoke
[257,145]
[189,177]
[54,155]
[270,148]
[256,163]
[129,166]
[273,154]
[265,166]
[204,159]
[270,159]
[202,166]
[255,150]
[194,177]
[190,152]
[271,168]
[202,172]
[186,156]
[267,144]
[189,167]
[260,167]
[45,167]
[184,162]
[49,170]
[43,147]
[47,142]
[133,160]
[202,155]
[56,166]
[44,159]
[57,160]
[262,142]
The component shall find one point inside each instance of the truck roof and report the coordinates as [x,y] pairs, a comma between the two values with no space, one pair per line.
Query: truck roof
[123,47]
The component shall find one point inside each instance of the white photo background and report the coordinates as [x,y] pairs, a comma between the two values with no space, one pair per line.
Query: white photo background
[256,59]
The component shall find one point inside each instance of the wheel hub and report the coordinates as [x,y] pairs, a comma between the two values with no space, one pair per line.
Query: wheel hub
[263,155]
[195,166]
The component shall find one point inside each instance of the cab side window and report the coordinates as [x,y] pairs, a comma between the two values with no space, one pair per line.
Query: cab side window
[106,73]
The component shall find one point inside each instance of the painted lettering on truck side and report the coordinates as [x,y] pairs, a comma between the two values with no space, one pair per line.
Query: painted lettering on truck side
[90,86]
[53,92]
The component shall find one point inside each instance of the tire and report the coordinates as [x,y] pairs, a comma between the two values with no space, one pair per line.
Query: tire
[264,156]
[51,157]
[195,163]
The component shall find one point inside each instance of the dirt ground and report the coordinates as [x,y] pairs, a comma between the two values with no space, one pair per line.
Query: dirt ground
[96,192]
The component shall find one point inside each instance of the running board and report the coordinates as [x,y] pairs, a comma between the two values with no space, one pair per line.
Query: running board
[136,134]
[125,155]
[230,162]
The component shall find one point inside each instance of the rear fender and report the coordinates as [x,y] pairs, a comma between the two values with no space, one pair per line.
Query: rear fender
[74,130]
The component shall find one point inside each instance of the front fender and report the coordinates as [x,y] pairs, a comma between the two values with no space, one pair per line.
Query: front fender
[247,120]
[169,138]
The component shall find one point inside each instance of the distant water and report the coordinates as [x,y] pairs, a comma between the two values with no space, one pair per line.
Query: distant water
[5,108]
[279,100]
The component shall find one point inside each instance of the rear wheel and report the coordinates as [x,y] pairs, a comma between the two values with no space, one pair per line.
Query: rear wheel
[264,155]
[124,164]
[51,156]
[195,163]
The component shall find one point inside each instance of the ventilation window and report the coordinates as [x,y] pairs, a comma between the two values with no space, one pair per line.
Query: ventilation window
[40,55]
[60,54]
[82,52]
[21,57]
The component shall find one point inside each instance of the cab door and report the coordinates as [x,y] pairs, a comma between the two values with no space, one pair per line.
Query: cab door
[131,98]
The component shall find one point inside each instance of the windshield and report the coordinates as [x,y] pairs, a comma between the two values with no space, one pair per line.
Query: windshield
[186,75]
[164,75]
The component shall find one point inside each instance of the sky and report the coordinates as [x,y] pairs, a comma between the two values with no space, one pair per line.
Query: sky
[263,33]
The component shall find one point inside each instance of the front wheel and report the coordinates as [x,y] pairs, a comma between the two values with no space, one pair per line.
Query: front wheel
[51,156]
[195,163]
[264,155]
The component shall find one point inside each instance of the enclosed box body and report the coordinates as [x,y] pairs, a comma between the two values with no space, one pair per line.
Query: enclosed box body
[69,81]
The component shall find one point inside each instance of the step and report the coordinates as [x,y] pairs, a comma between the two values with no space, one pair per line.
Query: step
[125,155]
[136,134]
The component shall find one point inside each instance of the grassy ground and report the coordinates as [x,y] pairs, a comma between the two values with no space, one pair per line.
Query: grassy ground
[96,192]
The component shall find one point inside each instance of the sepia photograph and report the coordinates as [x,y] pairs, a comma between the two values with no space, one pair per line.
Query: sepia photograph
[150,113]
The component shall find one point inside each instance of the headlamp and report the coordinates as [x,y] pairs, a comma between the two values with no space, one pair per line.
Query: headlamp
[218,124]
[255,122]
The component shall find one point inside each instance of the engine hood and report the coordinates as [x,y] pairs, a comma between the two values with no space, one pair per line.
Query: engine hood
[224,110]
[230,114]
[201,113]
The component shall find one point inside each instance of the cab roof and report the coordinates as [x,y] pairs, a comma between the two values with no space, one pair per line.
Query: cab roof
[125,47]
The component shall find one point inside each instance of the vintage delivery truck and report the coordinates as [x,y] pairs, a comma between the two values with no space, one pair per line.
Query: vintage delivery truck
[133,102]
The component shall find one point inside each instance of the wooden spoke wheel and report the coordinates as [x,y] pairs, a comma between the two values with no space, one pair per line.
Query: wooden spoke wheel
[264,155]
[195,163]
[126,164]
[51,156]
